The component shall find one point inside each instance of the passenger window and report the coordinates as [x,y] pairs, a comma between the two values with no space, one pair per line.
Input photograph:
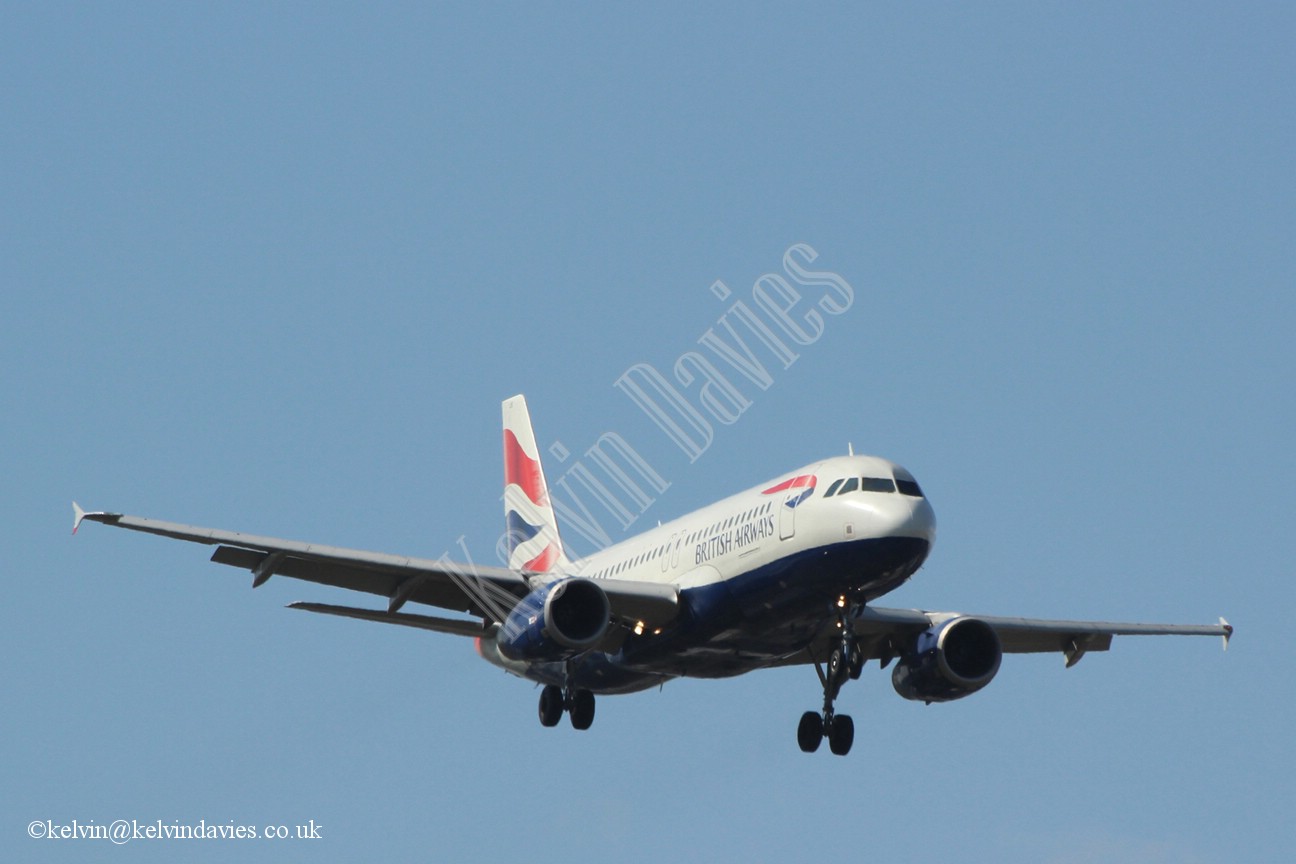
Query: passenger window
[851,484]
[832,490]
[877,484]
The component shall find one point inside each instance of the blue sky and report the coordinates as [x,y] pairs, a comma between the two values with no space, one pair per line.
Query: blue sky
[273,269]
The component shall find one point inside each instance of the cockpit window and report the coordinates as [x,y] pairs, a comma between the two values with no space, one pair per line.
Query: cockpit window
[907,484]
[904,482]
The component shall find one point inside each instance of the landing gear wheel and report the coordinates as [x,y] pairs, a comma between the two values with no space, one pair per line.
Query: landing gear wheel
[810,732]
[856,664]
[551,705]
[836,667]
[841,734]
[582,709]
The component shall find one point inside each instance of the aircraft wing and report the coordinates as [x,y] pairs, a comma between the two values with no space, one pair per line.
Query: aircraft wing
[882,631]
[488,593]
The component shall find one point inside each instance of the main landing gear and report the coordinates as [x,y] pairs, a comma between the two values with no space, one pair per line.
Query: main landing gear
[845,661]
[579,704]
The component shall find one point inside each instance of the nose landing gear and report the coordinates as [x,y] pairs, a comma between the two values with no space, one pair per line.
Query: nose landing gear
[845,661]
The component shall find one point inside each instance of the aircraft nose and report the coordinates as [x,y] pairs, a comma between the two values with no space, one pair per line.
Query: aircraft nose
[917,520]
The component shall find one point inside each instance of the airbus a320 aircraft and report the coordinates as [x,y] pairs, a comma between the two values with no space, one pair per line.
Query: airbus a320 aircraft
[781,574]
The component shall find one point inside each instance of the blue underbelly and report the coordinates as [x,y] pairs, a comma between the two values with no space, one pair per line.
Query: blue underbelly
[751,620]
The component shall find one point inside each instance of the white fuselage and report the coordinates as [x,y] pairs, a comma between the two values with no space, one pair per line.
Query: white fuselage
[754,528]
[757,571]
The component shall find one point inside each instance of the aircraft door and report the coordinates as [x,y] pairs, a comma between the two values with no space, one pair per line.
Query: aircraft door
[787,514]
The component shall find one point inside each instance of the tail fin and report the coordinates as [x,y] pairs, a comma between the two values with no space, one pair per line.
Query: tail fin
[533,541]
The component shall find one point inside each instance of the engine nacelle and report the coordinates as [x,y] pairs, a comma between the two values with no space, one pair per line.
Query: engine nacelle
[949,661]
[556,621]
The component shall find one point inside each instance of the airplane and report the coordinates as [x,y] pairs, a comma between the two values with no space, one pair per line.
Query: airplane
[781,574]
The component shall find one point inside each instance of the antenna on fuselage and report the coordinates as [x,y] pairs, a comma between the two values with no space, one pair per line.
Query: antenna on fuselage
[850,449]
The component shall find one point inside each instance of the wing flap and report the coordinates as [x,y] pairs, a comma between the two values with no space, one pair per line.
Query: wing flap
[405,619]
[396,586]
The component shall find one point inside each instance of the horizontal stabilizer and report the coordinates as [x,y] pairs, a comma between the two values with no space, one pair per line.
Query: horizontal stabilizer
[458,627]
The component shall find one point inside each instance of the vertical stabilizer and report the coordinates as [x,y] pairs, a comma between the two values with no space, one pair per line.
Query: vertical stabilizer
[533,542]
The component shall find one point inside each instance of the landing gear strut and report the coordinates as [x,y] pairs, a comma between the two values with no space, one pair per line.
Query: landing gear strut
[579,704]
[845,661]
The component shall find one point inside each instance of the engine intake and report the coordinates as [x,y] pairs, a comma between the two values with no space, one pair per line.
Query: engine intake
[949,661]
[556,621]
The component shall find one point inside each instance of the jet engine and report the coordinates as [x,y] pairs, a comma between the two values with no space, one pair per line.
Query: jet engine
[948,661]
[556,621]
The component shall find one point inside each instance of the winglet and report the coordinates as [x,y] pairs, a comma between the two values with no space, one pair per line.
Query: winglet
[1228,631]
[79,516]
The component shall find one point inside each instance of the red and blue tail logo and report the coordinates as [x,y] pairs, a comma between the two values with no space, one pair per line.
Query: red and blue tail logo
[805,482]
[532,540]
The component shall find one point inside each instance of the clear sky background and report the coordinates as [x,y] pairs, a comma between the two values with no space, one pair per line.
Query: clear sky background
[272,268]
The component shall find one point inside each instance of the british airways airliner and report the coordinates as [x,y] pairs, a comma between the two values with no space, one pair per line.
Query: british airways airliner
[781,574]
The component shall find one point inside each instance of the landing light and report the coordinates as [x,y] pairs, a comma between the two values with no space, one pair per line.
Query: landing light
[638,628]
[841,602]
